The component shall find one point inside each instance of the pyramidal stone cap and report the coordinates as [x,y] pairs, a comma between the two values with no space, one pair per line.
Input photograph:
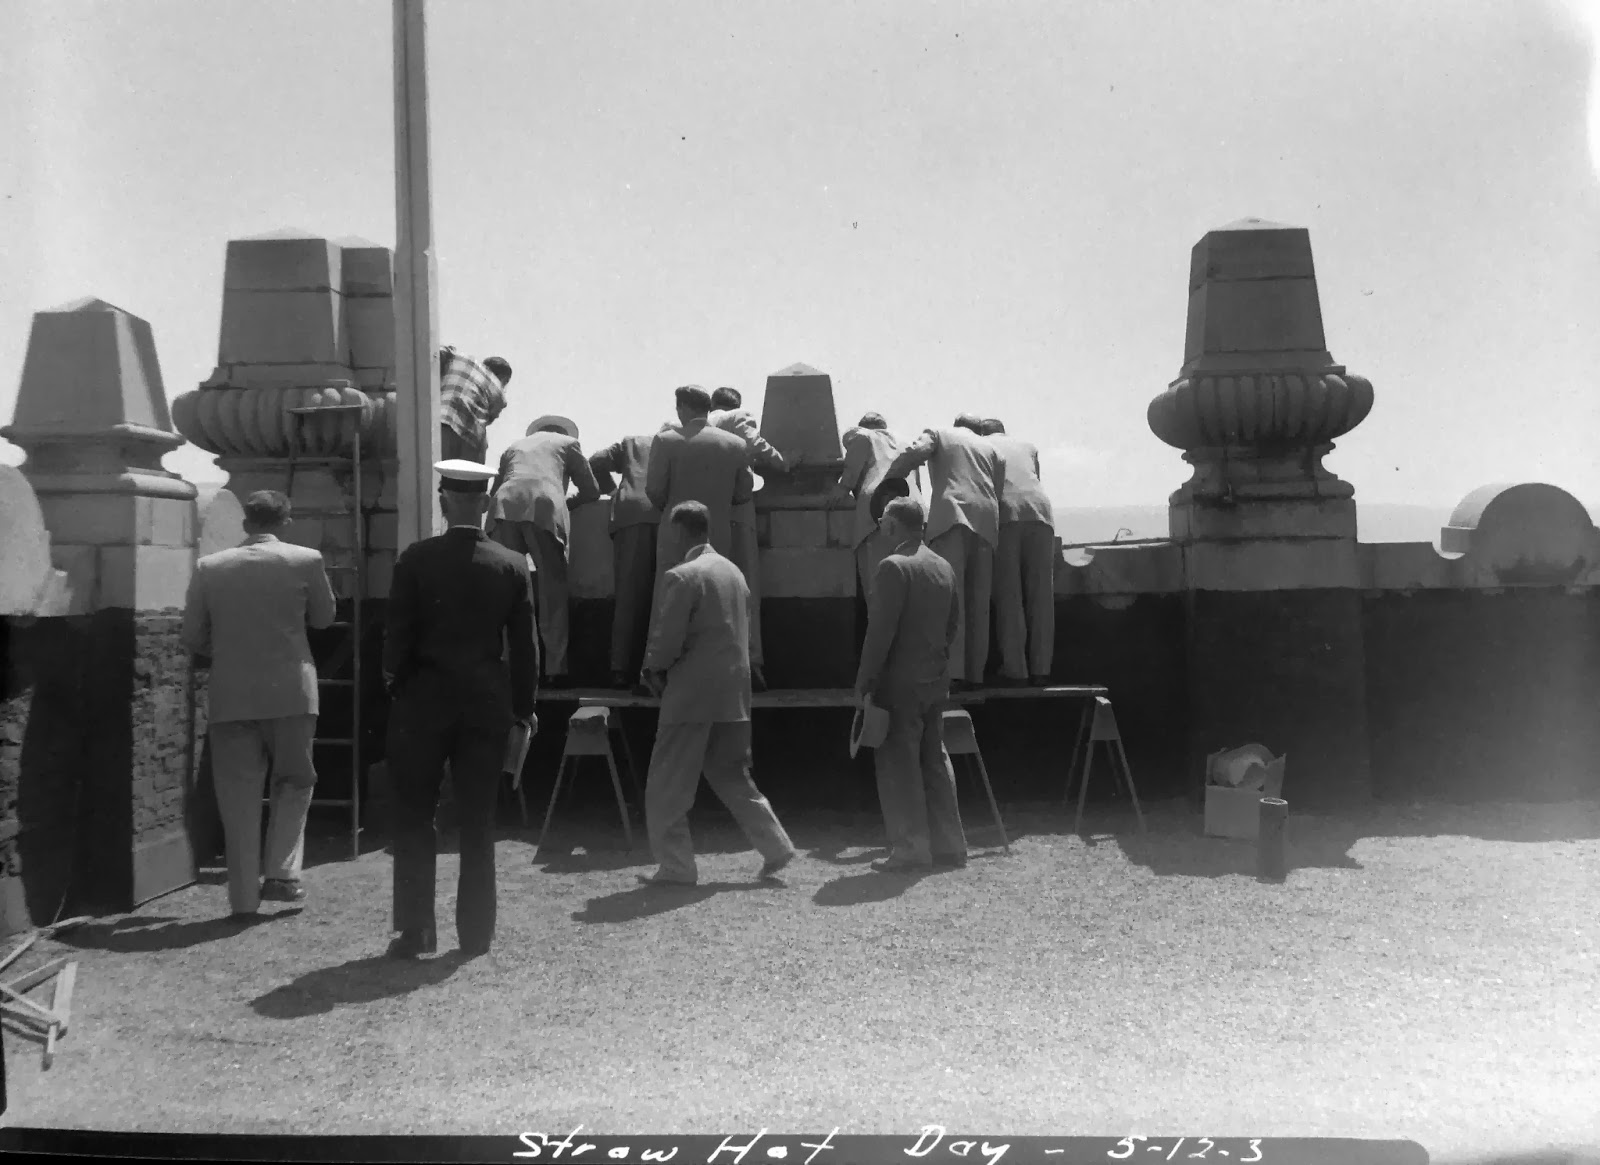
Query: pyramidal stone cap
[90,367]
[797,414]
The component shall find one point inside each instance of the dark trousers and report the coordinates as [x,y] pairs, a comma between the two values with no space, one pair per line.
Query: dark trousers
[454,447]
[426,729]
[633,568]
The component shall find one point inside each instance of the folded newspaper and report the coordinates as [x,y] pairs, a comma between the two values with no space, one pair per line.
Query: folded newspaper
[1251,768]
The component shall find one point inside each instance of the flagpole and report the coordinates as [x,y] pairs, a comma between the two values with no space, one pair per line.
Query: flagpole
[416,305]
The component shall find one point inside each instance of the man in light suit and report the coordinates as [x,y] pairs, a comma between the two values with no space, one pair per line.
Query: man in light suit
[634,521]
[698,661]
[529,515]
[246,617]
[729,415]
[913,619]
[696,462]
[1024,565]
[963,527]
[869,450]
[461,657]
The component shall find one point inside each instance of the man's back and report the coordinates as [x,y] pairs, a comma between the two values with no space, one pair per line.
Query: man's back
[701,464]
[867,456]
[457,600]
[911,623]
[533,479]
[1024,498]
[248,610]
[967,476]
[701,637]
[629,460]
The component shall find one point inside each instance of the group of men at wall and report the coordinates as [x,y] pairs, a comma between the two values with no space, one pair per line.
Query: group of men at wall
[988,514]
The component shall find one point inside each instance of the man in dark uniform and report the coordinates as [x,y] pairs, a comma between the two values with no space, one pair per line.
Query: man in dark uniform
[460,607]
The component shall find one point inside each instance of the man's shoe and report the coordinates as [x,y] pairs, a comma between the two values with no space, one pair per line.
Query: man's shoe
[1039,681]
[282,890]
[619,679]
[1009,682]
[558,681]
[245,916]
[951,861]
[957,686]
[658,880]
[758,682]
[412,944]
[775,866]
[898,866]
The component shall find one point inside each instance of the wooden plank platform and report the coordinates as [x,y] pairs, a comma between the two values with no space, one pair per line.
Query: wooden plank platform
[814,697]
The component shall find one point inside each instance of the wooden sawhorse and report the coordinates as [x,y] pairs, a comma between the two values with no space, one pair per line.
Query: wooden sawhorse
[1098,723]
[961,740]
[589,734]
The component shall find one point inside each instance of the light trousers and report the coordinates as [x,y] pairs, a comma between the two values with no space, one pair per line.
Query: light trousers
[917,786]
[550,584]
[869,554]
[243,755]
[633,569]
[1025,598]
[721,752]
[973,561]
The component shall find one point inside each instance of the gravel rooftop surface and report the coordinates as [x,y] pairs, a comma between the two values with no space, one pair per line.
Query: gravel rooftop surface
[1430,973]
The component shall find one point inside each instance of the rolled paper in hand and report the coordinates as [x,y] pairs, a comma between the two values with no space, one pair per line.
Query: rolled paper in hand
[1271,859]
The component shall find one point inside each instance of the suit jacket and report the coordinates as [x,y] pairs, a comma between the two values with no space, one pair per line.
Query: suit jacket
[629,459]
[912,619]
[764,458]
[700,637]
[868,453]
[458,606]
[968,481]
[533,479]
[700,463]
[248,609]
[1024,499]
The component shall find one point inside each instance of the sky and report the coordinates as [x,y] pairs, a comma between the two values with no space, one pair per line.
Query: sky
[984,206]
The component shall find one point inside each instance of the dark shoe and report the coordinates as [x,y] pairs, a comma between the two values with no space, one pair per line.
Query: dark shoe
[1008,682]
[772,868]
[657,880]
[951,861]
[558,681]
[412,944]
[897,866]
[619,679]
[243,916]
[758,682]
[957,686]
[1039,681]
[282,890]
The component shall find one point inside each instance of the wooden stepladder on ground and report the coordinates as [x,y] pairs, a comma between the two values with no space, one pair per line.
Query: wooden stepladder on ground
[29,1017]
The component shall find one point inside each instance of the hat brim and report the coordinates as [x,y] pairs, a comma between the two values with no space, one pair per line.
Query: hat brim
[565,424]
[888,489]
[869,729]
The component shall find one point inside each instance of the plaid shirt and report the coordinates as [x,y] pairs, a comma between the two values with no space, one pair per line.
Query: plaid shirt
[470,397]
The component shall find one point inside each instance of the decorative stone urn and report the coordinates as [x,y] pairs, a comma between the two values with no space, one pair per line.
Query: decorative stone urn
[1259,400]
[305,321]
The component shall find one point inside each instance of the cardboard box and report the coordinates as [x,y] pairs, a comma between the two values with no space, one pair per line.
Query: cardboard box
[1233,812]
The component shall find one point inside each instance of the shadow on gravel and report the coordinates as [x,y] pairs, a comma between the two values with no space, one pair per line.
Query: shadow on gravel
[134,935]
[355,982]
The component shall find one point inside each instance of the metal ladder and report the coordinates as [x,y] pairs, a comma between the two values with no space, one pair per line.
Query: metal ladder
[356,569]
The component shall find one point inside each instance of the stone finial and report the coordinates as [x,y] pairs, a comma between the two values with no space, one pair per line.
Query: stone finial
[92,404]
[283,320]
[1259,400]
[799,419]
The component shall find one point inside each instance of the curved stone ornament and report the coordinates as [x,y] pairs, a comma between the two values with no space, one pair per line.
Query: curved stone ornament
[1271,410]
[255,422]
